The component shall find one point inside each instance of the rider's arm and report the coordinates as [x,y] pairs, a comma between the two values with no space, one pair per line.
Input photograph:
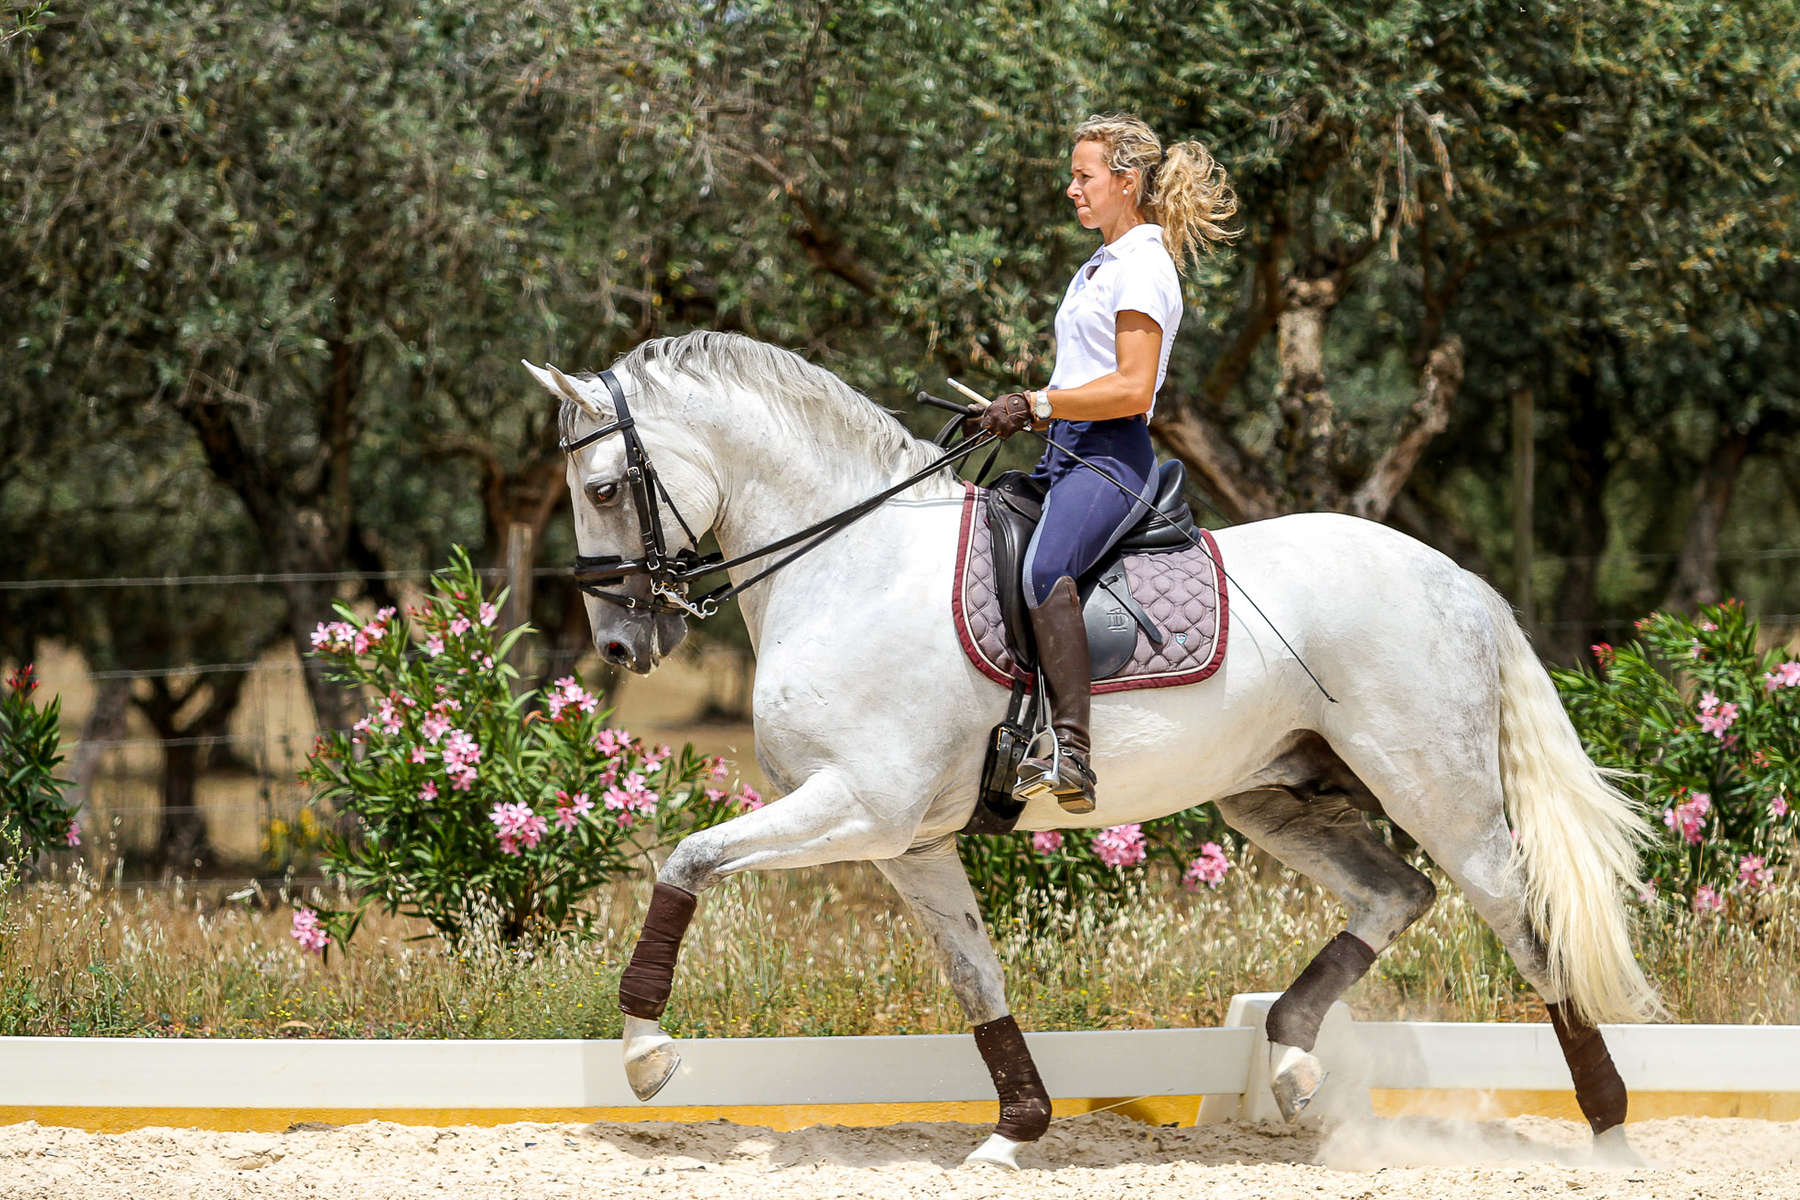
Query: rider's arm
[1126,392]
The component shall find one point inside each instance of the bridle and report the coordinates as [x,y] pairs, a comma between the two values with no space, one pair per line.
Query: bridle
[671,573]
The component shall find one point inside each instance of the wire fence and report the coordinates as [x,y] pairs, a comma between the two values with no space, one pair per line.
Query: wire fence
[255,788]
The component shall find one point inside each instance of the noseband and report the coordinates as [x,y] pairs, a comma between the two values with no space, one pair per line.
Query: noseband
[670,573]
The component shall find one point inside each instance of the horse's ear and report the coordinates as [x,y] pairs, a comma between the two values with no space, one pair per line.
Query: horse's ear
[558,384]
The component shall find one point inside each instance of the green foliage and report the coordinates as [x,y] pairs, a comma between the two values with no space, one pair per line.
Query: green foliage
[476,807]
[1031,881]
[1706,732]
[33,816]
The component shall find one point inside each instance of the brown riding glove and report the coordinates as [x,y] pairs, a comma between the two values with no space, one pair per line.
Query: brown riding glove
[1003,418]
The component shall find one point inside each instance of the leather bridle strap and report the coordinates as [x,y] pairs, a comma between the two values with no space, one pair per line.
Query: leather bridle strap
[671,573]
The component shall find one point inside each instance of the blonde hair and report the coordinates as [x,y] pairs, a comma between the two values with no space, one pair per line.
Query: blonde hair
[1183,187]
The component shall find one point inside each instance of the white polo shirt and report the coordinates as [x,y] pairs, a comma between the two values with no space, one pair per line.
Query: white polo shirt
[1132,274]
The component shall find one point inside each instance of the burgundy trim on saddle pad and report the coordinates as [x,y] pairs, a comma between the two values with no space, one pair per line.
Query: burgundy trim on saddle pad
[1170,585]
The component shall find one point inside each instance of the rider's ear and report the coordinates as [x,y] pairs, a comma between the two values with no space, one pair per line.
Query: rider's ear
[558,384]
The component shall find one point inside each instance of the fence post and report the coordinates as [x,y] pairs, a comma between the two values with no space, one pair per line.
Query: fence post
[1523,487]
[518,580]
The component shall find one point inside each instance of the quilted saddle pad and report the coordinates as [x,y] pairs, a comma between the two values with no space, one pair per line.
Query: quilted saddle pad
[1183,591]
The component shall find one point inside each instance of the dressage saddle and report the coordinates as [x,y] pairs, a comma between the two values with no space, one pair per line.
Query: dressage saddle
[1113,617]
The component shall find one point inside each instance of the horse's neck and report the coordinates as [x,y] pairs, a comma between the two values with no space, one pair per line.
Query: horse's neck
[778,474]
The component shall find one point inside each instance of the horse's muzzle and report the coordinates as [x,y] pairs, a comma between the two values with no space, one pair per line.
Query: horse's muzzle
[638,642]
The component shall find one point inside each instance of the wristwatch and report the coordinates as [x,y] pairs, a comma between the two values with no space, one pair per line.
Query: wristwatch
[1040,404]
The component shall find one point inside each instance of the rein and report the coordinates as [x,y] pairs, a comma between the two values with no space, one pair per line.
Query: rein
[670,573]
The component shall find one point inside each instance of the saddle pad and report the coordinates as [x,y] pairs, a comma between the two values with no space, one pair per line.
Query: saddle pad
[1183,591]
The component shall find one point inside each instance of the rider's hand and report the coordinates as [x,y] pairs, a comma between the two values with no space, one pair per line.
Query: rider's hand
[1003,418]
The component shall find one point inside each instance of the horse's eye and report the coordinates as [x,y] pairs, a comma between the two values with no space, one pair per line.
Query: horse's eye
[603,494]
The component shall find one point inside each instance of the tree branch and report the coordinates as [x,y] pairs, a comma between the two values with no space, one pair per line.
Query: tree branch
[1428,417]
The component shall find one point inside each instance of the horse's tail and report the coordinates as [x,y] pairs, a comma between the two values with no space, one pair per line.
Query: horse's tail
[1578,839]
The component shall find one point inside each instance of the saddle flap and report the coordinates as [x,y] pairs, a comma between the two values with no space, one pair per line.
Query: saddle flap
[1112,626]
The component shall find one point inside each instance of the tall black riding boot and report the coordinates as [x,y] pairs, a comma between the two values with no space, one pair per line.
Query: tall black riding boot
[1062,653]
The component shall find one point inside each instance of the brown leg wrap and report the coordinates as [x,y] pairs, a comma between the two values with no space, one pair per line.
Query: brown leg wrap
[1598,1089]
[1024,1104]
[644,987]
[1294,1019]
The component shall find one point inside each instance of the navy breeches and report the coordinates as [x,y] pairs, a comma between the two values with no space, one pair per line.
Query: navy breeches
[1083,513]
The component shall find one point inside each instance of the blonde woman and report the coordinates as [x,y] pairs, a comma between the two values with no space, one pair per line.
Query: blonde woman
[1154,209]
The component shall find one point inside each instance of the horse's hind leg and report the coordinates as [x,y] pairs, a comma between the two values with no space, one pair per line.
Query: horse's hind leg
[1324,838]
[932,880]
[1471,842]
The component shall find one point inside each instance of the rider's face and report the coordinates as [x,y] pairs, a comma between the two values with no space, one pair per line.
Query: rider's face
[1099,193]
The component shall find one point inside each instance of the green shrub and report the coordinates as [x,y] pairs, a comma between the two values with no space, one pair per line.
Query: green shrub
[1030,879]
[1707,733]
[472,806]
[33,815]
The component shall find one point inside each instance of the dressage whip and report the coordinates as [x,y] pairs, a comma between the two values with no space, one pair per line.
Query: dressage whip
[983,401]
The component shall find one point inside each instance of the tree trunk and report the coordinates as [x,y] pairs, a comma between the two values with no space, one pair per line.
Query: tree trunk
[105,723]
[1306,408]
[1696,579]
[183,842]
[1580,536]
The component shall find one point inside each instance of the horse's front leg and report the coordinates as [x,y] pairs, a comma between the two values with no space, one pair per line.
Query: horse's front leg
[821,821]
[933,882]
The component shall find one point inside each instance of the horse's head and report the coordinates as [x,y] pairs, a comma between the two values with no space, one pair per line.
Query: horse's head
[633,627]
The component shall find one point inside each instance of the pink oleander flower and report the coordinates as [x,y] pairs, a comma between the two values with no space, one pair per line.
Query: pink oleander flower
[1647,891]
[611,741]
[387,716]
[72,835]
[1778,807]
[461,750]
[434,726]
[460,626]
[434,645]
[462,778]
[519,823]
[334,637]
[569,693]
[1209,868]
[418,754]
[509,844]
[1603,653]
[1753,874]
[1785,674]
[429,791]
[1046,842]
[714,795]
[571,809]
[487,662]
[656,758]
[489,614]
[1120,845]
[1689,817]
[1706,900]
[1716,718]
[630,798]
[308,932]
[749,799]
[718,768]
[1708,627]
[21,680]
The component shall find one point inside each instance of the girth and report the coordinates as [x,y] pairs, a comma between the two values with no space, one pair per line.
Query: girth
[1015,504]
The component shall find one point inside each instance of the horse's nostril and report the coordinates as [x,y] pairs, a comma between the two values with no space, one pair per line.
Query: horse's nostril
[615,654]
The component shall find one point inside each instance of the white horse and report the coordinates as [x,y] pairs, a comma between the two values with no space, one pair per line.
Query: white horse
[874,724]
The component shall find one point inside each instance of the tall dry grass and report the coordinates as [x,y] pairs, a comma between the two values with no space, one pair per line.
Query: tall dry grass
[809,953]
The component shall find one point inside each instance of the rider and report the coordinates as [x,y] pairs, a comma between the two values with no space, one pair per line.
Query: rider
[1154,208]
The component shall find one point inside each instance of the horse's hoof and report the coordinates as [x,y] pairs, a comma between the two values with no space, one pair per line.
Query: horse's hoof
[1612,1150]
[650,1057]
[1295,1079]
[998,1151]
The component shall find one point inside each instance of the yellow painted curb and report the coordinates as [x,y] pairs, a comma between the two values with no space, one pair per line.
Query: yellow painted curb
[1156,1110]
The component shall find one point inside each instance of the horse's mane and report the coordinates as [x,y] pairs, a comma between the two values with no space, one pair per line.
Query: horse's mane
[809,398]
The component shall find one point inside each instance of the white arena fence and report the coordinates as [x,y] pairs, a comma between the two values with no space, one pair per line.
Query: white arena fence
[1227,1065]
